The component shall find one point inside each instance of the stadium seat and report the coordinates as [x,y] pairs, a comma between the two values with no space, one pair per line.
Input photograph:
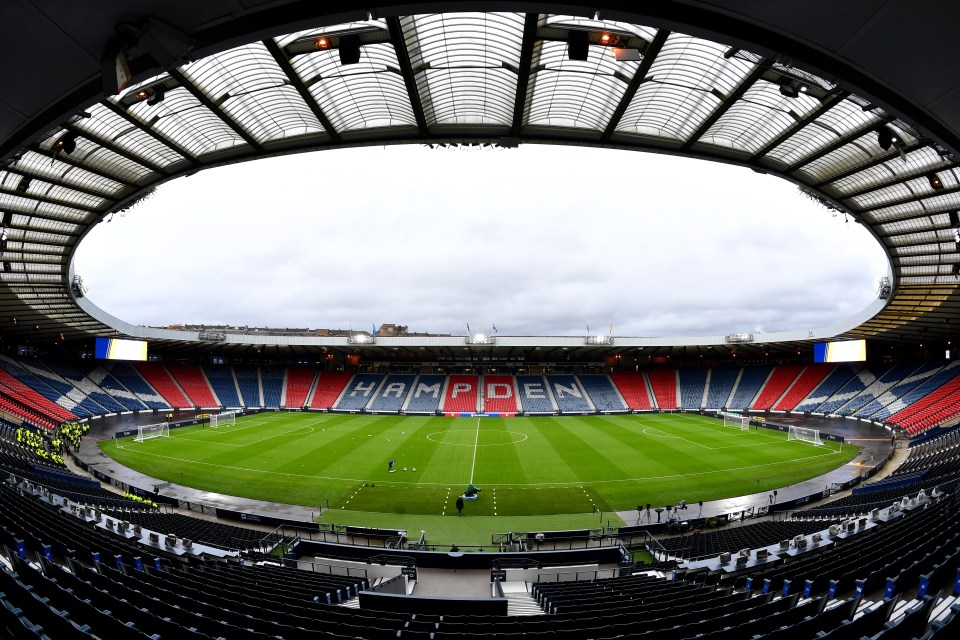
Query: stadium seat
[499,394]
[776,386]
[159,378]
[663,382]
[462,394]
[193,382]
[633,389]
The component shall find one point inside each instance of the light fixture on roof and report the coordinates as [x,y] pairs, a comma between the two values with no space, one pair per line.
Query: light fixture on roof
[789,90]
[323,42]
[886,137]
[3,235]
[610,39]
[935,182]
[578,45]
[152,95]
[67,144]
[349,49]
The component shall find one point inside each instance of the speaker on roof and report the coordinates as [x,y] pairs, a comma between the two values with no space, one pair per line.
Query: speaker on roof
[578,45]
[954,221]
[7,267]
[349,49]
[724,557]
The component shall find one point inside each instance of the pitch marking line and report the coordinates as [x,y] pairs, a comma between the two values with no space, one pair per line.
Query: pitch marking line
[247,444]
[476,441]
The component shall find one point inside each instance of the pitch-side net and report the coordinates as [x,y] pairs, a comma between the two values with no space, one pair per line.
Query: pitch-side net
[150,431]
[804,434]
[225,419]
[736,421]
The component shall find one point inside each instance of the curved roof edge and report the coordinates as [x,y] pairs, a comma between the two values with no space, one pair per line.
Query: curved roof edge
[800,335]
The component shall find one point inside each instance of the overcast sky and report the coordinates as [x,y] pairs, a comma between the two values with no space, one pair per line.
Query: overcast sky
[539,240]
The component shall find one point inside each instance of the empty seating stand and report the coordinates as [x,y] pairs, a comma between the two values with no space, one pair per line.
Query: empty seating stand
[224,385]
[461,394]
[131,379]
[692,385]
[391,395]
[194,384]
[271,381]
[812,376]
[664,385]
[299,382]
[602,393]
[751,381]
[777,384]
[633,388]
[722,380]
[426,394]
[499,395]
[359,392]
[248,381]
[329,386]
[535,395]
[158,378]
[569,396]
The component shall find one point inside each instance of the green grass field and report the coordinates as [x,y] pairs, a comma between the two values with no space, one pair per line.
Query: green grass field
[533,471]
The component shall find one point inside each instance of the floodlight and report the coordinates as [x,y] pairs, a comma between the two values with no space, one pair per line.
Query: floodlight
[935,183]
[152,95]
[578,45]
[3,235]
[610,39]
[67,143]
[349,49]
[886,137]
[788,89]
[322,42]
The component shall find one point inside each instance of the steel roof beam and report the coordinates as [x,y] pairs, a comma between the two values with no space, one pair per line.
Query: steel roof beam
[120,151]
[406,70]
[120,111]
[649,57]
[523,70]
[828,103]
[728,102]
[195,91]
[284,63]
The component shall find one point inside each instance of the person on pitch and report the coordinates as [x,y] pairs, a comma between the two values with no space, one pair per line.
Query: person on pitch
[390,465]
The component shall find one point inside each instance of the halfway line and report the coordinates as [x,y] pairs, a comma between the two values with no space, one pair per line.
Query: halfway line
[475,441]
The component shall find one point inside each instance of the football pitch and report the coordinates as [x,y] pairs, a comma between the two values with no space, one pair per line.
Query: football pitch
[526,467]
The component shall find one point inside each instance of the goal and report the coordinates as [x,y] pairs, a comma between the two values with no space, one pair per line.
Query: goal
[225,419]
[804,434]
[149,431]
[736,421]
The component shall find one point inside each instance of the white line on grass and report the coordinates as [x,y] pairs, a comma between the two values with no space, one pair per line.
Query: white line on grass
[475,442]
[230,444]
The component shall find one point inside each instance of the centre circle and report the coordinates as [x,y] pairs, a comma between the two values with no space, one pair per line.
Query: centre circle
[469,438]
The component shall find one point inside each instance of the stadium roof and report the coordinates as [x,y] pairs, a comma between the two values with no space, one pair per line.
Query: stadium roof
[856,102]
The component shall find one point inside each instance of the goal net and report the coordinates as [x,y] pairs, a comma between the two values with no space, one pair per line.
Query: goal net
[225,419]
[804,435]
[736,421]
[149,431]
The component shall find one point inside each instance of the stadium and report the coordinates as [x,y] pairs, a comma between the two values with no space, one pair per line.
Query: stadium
[235,482]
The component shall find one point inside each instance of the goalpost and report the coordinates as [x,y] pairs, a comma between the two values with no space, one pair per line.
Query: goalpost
[803,434]
[225,419]
[736,421]
[149,431]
